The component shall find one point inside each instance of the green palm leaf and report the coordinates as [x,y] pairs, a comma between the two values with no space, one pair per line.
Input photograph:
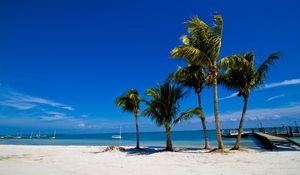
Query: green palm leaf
[265,66]
[189,114]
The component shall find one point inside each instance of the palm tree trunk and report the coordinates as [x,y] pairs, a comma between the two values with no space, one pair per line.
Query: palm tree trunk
[217,120]
[137,131]
[169,146]
[207,145]
[239,137]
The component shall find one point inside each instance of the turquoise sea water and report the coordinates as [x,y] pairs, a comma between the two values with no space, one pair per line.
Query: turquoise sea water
[188,139]
[296,139]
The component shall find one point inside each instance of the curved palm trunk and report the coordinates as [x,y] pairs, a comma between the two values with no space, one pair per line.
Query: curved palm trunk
[239,137]
[217,120]
[207,145]
[137,131]
[169,146]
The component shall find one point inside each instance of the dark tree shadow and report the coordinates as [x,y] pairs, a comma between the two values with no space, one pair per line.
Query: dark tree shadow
[143,151]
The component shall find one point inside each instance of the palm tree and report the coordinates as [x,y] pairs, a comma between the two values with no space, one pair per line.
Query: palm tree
[193,77]
[130,102]
[242,76]
[163,107]
[202,47]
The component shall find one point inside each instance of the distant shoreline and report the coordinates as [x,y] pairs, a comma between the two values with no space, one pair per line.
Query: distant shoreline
[133,132]
[191,139]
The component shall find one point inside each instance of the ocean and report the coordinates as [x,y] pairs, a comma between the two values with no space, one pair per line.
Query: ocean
[187,139]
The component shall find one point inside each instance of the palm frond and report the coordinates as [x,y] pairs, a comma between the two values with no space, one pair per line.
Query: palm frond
[265,66]
[186,40]
[202,45]
[197,27]
[233,61]
[218,25]
[164,106]
[151,92]
[190,54]
[189,114]
[249,56]
[130,101]
[241,75]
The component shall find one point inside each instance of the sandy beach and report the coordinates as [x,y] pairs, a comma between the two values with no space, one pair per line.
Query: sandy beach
[79,160]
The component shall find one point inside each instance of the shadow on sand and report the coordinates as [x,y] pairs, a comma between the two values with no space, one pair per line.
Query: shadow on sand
[143,151]
[153,150]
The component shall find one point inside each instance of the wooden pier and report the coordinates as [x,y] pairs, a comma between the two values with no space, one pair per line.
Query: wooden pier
[276,143]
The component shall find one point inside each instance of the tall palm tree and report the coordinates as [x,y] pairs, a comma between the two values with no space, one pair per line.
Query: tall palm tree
[193,77]
[130,102]
[242,76]
[202,47]
[164,106]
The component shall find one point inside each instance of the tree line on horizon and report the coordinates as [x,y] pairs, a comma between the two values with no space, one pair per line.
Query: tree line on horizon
[203,68]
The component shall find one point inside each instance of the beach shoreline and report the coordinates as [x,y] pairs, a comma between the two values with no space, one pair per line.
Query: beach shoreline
[77,160]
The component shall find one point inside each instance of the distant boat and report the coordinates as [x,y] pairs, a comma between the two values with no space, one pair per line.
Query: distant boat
[18,137]
[234,133]
[31,135]
[117,136]
[53,135]
[8,137]
[38,135]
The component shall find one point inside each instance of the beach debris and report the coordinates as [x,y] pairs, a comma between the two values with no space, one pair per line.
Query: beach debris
[113,148]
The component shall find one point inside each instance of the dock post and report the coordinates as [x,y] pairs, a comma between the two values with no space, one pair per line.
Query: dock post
[291,131]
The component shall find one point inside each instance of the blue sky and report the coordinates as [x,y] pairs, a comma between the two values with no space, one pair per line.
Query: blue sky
[63,63]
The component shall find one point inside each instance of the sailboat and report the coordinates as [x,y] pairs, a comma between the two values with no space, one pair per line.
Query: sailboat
[38,135]
[18,137]
[53,135]
[117,136]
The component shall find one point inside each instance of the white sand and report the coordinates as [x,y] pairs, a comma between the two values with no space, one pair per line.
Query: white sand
[85,160]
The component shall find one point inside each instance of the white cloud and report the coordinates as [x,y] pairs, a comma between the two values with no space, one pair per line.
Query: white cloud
[233,119]
[22,101]
[81,125]
[54,116]
[228,97]
[20,106]
[260,113]
[283,83]
[84,116]
[275,97]
[268,86]
[276,116]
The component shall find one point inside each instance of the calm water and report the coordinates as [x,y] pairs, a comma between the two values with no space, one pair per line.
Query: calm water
[296,139]
[191,139]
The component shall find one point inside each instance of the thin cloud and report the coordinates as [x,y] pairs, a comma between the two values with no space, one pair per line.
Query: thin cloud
[19,106]
[283,83]
[21,101]
[229,96]
[260,113]
[81,125]
[268,86]
[54,116]
[275,97]
[84,116]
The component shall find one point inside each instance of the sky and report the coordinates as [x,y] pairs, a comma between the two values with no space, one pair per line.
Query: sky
[63,63]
